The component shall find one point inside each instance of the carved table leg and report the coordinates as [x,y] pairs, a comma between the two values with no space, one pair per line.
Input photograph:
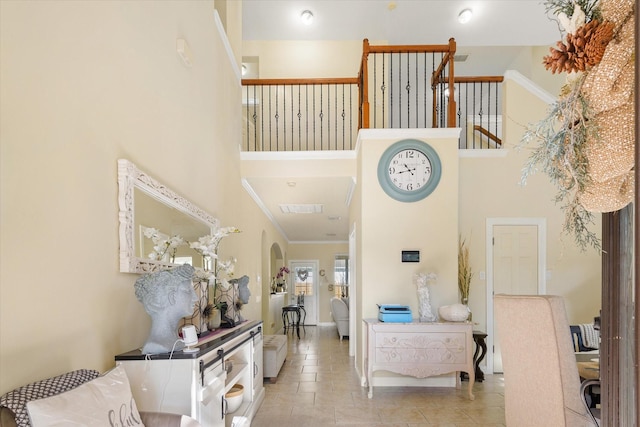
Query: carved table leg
[480,348]
[472,380]
[480,345]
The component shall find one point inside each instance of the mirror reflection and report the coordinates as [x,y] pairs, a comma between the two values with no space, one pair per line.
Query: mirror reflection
[156,224]
[168,222]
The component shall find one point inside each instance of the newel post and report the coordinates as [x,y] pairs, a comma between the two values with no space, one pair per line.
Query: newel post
[451,111]
[363,122]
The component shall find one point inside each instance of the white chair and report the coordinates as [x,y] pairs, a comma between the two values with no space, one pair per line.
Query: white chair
[340,313]
[541,380]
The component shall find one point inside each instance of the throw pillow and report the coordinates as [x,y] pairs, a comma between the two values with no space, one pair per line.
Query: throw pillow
[16,400]
[105,401]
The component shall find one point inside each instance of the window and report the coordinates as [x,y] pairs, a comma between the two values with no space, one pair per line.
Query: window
[341,276]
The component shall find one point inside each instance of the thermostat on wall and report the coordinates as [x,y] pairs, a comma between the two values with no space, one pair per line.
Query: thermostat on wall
[410,256]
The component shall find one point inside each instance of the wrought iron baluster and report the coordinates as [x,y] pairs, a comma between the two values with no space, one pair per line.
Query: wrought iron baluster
[314,116]
[391,90]
[270,120]
[375,90]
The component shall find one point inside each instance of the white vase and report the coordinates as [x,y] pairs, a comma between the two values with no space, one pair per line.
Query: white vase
[454,312]
[214,320]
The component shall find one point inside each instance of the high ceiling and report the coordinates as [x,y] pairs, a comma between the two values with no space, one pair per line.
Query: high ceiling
[493,39]
[494,23]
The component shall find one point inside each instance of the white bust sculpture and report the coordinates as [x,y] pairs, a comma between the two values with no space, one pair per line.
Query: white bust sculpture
[167,296]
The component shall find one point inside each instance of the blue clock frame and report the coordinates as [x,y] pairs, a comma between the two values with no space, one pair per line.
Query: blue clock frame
[404,195]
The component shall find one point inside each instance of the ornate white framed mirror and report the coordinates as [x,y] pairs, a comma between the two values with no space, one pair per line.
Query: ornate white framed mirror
[146,205]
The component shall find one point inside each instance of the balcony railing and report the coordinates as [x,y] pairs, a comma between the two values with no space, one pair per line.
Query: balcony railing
[397,87]
[296,115]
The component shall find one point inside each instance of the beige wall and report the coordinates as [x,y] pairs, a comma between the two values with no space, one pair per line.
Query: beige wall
[490,188]
[305,59]
[325,255]
[385,227]
[83,84]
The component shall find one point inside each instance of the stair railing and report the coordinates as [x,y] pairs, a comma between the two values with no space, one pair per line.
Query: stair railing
[396,87]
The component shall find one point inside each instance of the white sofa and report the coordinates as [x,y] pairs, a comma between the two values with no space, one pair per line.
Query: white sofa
[340,313]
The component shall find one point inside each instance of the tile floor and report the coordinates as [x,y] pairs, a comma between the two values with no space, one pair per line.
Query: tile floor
[318,386]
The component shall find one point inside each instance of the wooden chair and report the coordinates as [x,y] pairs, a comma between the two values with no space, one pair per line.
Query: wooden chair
[541,381]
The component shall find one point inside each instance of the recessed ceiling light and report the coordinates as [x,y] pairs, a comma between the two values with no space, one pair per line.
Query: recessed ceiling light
[291,183]
[307,17]
[334,217]
[465,16]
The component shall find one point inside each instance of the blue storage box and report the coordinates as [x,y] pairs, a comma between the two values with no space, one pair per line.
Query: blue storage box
[394,313]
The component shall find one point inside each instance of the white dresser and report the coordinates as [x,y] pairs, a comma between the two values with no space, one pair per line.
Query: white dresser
[194,384]
[419,349]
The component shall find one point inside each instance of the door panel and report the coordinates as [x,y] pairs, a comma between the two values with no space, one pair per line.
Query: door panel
[515,267]
[304,287]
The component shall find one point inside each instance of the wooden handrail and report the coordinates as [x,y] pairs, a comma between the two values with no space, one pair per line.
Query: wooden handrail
[410,48]
[321,81]
[485,132]
[479,79]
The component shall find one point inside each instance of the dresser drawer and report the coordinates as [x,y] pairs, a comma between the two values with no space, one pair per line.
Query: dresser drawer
[439,348]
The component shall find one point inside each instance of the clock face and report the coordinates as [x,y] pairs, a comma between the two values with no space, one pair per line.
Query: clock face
[409,170]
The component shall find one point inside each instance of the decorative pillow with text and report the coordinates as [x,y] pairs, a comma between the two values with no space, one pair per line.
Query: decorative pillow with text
[104,401]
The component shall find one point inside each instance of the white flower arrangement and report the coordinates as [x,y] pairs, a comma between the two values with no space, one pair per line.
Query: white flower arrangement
[222,271]
[208,245]
[162,244]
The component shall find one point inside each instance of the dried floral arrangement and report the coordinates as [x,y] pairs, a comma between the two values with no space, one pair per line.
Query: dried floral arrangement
[586,142]
[464,270]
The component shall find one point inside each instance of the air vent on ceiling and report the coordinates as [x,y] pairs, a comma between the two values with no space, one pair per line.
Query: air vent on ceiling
[460,58]
[301,208]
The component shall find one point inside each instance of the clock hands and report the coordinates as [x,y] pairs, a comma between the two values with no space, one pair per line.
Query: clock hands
[408,169]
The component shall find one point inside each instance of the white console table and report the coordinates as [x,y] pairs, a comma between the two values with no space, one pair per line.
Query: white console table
[419,349]
[195,383]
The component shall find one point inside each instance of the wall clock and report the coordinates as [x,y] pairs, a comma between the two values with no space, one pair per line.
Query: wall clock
[409,170]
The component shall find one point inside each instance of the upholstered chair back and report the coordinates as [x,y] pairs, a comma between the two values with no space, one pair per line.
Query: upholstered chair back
[541,381]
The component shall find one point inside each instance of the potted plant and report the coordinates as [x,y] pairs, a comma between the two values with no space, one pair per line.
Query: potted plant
[281,279]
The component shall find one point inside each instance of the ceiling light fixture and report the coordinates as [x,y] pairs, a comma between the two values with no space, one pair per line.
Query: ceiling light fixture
[465,16]
[301,208]
[307,17]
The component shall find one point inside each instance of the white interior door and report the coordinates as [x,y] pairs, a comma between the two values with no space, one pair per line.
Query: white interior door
[515,267]
[304,283]
[517,251]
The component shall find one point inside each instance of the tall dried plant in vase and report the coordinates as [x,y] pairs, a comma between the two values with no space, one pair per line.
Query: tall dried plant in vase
[464,271]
